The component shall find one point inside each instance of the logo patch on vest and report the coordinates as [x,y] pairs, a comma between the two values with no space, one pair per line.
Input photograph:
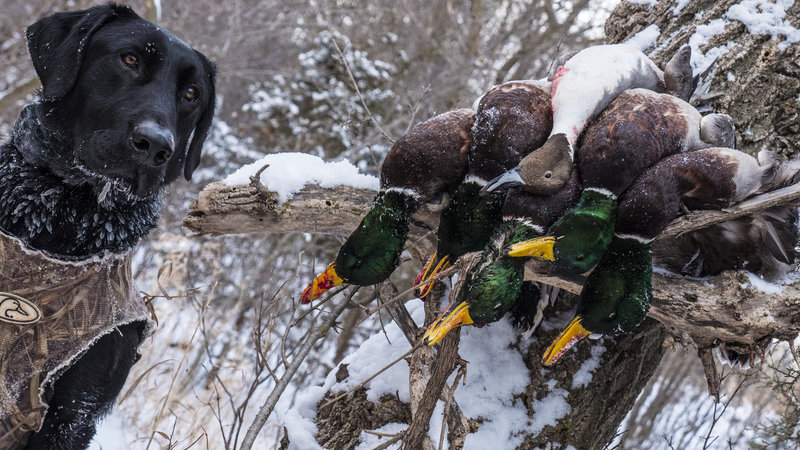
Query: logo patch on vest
[15,309]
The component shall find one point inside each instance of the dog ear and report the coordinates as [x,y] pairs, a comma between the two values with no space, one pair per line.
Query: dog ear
[57,45]
[204,123]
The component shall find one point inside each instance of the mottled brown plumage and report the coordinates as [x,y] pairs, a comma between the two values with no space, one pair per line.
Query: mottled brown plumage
[513,119]
[637,129]
[431,158]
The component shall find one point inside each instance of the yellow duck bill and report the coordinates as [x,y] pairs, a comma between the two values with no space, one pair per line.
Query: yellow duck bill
[568,337]
[449,319]
[428,272]
[323,283]
[536,248]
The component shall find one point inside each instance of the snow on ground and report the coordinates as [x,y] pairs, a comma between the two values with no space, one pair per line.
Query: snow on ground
[289,172]
[496,372]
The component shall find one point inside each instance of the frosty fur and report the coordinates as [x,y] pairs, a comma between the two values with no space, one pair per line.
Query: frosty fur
[46,210]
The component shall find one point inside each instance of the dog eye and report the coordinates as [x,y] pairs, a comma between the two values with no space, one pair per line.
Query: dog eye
[130,60]
[190,94]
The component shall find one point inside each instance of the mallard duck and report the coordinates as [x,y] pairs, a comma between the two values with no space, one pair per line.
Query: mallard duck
[428,160]
[582,88]
[512,120]
[617,294]
[494,284]
[638,128]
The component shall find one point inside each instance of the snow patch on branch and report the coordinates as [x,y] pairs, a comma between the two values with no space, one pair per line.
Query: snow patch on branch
[762,285]
[645,38]
[584,374]
[289,172]
[549,409]
[702,35]
[649,3]
[763,17]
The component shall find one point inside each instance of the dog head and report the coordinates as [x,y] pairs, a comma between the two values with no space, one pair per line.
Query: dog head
[132,102]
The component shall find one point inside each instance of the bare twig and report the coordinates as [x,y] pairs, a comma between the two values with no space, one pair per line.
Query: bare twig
[291,369]
[178,369]
[358,91]
[697,220]
[391,441]
[462,372]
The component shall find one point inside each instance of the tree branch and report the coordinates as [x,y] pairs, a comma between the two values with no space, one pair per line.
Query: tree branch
[723,309]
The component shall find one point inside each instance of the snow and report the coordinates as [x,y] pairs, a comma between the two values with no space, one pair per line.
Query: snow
[643,2]
[679,7]
[488,393]
[761,284]
[495,374]
[549,409]
[764,17]
[702,35]
[584,374]
[761,17]
[289,172]
[370,441]
[645,38]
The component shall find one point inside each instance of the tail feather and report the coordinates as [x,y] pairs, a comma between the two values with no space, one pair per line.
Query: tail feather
[777,170]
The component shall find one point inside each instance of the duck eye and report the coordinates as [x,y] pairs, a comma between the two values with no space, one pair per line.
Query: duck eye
[130,60]
[548,174]
[612,316]
[580,257]
[190,94]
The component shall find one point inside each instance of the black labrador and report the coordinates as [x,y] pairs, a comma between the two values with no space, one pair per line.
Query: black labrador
[125,108]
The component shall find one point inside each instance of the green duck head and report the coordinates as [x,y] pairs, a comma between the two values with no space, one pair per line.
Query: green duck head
[372,251]
[491,289]
[577,240]
[465,225]
[615,298]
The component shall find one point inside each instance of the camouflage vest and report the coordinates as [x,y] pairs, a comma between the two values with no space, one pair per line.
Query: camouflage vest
[51,311]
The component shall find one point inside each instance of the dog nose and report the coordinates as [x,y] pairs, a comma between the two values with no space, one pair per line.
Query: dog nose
[154,142]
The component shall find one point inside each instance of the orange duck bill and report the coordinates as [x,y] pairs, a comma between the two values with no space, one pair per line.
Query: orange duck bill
[570,336]
[430,270]
[450,318]
[323,283]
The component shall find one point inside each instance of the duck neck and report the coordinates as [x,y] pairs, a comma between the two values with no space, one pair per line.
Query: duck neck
[520,230]
[494,286]
[468,221]
[621,283]
[384,229]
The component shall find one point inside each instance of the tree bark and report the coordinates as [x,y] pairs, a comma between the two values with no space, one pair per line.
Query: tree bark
[755,80]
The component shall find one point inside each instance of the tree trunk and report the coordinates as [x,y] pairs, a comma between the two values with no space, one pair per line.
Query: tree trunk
[755,79]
